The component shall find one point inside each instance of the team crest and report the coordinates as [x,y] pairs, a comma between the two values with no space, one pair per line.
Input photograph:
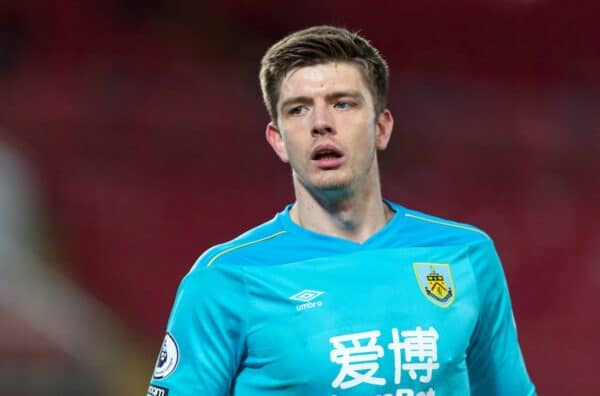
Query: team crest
[435,281]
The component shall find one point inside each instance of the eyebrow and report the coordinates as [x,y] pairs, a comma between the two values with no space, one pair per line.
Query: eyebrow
[334,95]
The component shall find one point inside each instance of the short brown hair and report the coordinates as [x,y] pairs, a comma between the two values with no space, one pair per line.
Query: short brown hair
[317,45]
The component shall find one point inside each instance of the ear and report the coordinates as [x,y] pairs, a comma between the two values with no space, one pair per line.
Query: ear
[383,129]
[276,141]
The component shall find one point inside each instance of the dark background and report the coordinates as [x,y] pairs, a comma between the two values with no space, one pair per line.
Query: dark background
[139,126]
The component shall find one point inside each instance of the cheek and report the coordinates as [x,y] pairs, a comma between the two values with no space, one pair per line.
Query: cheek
[366,136]
[365,145]
[293,150]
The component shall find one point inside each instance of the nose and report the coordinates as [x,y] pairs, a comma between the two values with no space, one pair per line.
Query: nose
[322,122]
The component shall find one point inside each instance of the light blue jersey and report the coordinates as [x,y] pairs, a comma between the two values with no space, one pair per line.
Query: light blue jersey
[419,309]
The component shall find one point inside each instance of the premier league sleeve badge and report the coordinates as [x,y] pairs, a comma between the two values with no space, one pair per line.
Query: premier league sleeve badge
[167,358]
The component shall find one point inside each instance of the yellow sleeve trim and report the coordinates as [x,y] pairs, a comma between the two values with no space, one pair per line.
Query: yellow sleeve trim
[243,245]
[447,224]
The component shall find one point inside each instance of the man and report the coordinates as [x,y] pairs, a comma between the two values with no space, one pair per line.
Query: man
[343,292]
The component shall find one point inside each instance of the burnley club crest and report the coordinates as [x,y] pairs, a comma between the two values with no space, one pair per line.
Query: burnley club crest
[435,281]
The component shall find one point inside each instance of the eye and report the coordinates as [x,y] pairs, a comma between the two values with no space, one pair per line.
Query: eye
[298,110]
[343,105]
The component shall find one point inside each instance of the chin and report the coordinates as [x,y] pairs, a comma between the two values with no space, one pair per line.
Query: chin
[338,185]
[332,184]
[331,181]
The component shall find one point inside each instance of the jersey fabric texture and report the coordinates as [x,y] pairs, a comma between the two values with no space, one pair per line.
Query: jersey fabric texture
[421,308]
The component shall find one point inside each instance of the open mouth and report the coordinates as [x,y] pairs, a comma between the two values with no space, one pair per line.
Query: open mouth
[324,153]
[327,157]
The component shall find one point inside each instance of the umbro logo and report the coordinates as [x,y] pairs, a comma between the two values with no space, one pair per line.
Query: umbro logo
[307,297]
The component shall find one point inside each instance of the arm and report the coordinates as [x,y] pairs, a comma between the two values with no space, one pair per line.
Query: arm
[204,341]
[494,359]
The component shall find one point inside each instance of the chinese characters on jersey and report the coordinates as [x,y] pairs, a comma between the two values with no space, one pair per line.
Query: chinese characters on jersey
[358,354]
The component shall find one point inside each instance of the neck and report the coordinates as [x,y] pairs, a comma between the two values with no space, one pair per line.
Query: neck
[355,216]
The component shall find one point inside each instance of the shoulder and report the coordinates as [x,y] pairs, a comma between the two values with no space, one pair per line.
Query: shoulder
[429,229]
[253,244]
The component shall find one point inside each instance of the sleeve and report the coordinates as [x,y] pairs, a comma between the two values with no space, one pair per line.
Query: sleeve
[204,342]
[494,358]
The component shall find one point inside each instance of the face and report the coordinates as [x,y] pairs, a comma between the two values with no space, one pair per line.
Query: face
[327,129]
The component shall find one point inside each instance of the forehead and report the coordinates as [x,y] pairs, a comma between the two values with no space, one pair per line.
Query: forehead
[323,79]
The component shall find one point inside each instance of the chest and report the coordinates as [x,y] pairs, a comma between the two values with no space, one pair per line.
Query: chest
[368,323]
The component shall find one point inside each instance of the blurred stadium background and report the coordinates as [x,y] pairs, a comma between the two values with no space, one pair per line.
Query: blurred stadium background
[131,139]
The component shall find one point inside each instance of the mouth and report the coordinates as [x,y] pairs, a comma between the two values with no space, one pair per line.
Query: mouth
[327,157]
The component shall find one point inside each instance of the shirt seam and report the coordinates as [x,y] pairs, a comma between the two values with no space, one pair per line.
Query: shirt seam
[474,275]
[243,346]
[243,245]
[447,224]
[470,248]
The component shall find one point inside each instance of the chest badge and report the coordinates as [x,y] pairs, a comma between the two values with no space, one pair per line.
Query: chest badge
[436,283]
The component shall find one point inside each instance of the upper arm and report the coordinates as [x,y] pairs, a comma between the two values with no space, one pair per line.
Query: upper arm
[204,335]
[494,358]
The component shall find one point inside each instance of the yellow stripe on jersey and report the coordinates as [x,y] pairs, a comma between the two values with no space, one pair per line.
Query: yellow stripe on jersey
[243,245]
[446,224]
